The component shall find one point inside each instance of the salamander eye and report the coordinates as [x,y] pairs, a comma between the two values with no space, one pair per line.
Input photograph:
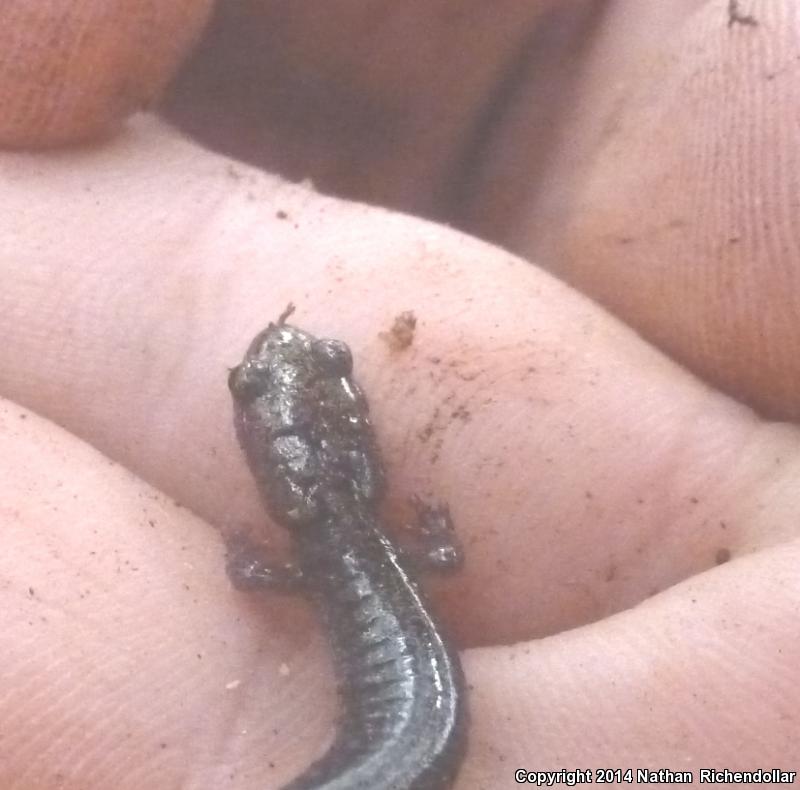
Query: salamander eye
[333,357]
[248,380]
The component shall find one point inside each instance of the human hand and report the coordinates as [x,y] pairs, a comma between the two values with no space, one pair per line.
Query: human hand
[584,469]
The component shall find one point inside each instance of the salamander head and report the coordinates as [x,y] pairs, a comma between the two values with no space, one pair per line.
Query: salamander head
[304,424]
[284,359]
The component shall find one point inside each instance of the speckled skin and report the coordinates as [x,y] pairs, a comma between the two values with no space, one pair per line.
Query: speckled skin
[304,426]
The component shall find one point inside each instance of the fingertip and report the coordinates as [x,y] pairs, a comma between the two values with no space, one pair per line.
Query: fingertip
[74,71]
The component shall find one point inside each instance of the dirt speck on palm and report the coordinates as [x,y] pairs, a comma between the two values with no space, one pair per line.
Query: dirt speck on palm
[401,335]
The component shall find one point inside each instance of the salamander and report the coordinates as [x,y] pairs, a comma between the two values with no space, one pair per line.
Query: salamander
[303,424]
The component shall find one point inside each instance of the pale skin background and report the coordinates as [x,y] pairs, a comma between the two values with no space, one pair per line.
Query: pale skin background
[647,153]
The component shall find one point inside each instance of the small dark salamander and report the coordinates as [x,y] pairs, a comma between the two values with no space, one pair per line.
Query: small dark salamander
[304,426]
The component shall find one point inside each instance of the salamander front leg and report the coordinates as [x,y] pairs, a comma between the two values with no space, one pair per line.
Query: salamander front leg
[249,569]
[434,543]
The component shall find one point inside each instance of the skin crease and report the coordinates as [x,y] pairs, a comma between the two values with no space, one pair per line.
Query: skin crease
[585,470]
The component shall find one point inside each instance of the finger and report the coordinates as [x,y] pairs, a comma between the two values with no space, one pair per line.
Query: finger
[684,224]
[71,71]
[703,676]
[123,645]
[583,470]
[127,658]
